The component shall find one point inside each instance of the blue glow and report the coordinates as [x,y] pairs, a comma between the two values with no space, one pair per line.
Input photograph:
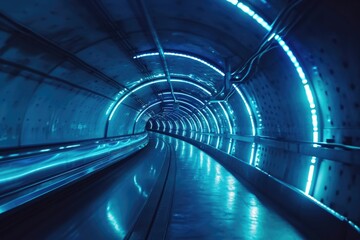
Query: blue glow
[247,108]
[187,120]
[182,124]
[271,37]
[195,126]
[183,56]
[206,121]
[192,120]
[176,125]
[194,84]
[227,118]
[252,154]
[257,157]
[170,126]
[150,83]
[151,124]
[114,223]
[229,146]
[72,146]
[299,70]
[158,125]
[14,155]
[309,180]
[164,126]
[191,127]
[217,143]
[200,125]
[202,103]
[199,122]
[234,2]
[45,150]
[109,108]
[215,120]
[137,184]
[143,111]
[21,169]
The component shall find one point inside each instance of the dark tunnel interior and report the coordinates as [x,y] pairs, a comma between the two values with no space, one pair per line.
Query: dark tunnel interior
[156,99]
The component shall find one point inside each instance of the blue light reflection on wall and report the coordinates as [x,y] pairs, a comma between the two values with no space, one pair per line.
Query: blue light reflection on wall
[21,169]
[202,103]
[183,56]
[227,118]
[246,9]
[247,108]
[154,82]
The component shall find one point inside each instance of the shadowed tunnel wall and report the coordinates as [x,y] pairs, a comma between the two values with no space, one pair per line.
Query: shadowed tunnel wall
[77,70]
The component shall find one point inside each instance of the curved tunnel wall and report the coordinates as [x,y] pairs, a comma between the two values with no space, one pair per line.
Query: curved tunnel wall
[55,89]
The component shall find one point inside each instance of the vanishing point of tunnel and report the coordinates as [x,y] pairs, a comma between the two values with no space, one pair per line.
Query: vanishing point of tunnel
[179,119]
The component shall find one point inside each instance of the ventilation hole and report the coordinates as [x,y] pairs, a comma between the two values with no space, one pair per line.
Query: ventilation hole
[349,199]
[322,200]
[325,188]
[331,71]
[337,192]
[329,168]
[341,172]
[345,64]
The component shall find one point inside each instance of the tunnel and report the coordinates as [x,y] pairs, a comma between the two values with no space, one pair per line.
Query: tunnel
[179,119]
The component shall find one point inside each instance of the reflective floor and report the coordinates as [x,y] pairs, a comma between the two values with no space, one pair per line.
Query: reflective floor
[105,206]
[209,203]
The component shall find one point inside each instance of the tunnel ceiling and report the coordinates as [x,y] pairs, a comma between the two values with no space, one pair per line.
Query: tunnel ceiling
[101,50]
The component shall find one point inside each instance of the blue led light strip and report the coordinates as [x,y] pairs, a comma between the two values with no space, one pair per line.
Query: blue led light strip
[227,118]
[202,103]
[188,111]
[144,111]
[246,9]
[201,61]
[150,83]
[198,120]
[247,108]
[182,56]
[157,124]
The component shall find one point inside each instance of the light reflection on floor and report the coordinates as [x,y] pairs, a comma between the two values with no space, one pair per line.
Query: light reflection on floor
[210,203]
